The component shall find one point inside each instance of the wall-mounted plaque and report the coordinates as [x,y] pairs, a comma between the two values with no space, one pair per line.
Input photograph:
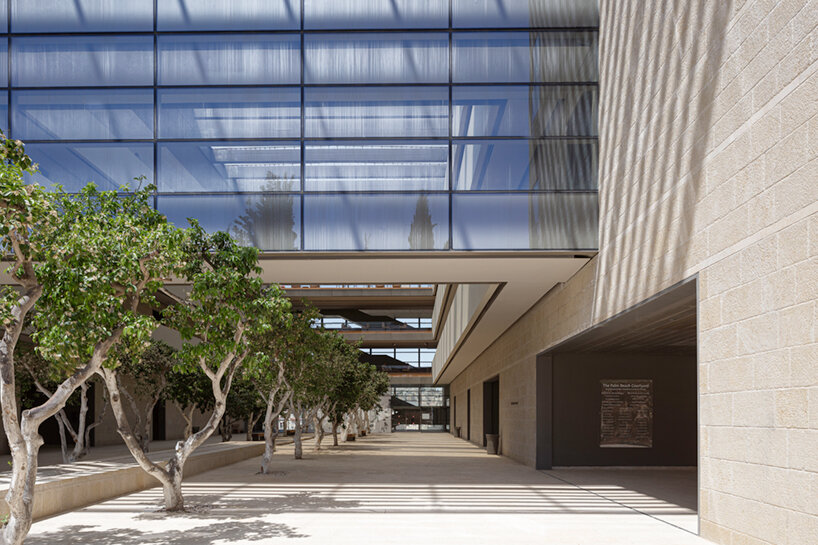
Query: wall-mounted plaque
[626,413]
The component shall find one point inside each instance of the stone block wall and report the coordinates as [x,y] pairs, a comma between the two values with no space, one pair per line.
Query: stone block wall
[708,169]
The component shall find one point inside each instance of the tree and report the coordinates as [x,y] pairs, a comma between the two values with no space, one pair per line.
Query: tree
[148,371]
[190,390]
[227,304]
[302,372]
[41,376]
[86,261]
[243,403]
[337,356]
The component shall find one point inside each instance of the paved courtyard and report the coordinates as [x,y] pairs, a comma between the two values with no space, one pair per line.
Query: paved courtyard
[400,488]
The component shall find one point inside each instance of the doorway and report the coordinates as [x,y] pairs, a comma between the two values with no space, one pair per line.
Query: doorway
[491,408]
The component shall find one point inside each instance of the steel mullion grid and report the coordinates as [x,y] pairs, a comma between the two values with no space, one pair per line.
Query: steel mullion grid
[8,68]
[155,105]
[302,144]
[303,86]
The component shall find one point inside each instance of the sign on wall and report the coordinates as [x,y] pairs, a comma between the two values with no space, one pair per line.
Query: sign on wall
[626,413]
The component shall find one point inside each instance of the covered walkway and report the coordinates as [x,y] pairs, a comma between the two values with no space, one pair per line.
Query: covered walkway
[398,488]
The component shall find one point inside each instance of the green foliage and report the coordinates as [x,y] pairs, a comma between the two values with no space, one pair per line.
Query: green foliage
[26,219]
[108,253]
[243,399]
[227,303]
[148,368]
[190,387]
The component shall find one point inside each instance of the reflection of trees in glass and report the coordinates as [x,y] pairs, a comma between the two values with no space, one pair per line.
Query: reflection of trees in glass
[269,221]
[421,233]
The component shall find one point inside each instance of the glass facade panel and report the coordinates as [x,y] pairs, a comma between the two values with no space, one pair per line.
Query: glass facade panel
[81,15]
[560,221]
[221,59]
[376,222]
[387,132]
[407,395]
[228,14]
[377,166]
[268,222]
[432,396]
[74,114]
[229,113]
[229,166]
[510,110]
[525,57]
[341,14]
[109,165]
[524,14]
[376,112]
[4,63]
[4,112]
[533,165]
[72,61]
[376,58]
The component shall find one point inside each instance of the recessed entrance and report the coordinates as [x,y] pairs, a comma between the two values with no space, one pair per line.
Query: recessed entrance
[491,408]
[625,393]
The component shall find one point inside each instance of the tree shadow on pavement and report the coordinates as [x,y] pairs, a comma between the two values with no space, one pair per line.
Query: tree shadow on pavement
[223,532]
[203,507]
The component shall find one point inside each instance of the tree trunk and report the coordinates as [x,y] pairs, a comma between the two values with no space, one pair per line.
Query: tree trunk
[251,424]
[319,431]
[187,414]
[226,429]
[172,487]
[171,474]
[23,433]
[299,450]
[334,432]
[20,497]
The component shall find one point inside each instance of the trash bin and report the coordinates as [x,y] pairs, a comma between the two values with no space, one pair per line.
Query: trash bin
[492,440]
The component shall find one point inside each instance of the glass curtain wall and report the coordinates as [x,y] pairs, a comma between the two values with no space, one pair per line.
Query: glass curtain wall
[321,125]
[419,408]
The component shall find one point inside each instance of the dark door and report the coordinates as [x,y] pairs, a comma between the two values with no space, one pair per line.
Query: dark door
[468,415]
[159,421]
[491,408]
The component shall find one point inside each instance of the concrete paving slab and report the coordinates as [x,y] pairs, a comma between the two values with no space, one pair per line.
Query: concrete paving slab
[385,489]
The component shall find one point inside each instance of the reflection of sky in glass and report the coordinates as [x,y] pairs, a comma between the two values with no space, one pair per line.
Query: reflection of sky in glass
[376,222]
[109,165]
[81,15]
[560,221]
[509,57]
[524,14]
[215,166]
[70,61]
[379,14]
[510,110]
[223,15]
[74,114]
[269,112]
[384,166]
[373,138]
[269,222]
[376,112]
[376,58]
[525,165]
[228,59]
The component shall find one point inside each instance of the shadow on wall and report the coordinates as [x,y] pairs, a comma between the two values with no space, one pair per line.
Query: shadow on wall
[658,79]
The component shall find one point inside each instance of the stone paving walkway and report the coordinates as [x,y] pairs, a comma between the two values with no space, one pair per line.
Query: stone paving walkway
[385,489]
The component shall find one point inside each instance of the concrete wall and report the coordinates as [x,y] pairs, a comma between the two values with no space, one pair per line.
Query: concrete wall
[576,404]
[708,167]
